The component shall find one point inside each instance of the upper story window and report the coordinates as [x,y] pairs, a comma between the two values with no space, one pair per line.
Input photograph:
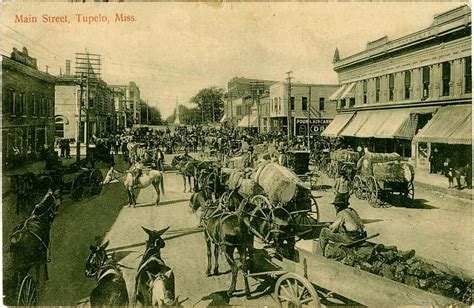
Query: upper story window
[391,87]
[446,77]
[377,89]
[321,103]
[468,75]
[292,103]
[364,90]
[407,84]
[426,81]
[304,103]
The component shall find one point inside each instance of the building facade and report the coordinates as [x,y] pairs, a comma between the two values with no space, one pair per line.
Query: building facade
[27,107]
[131,107]
[307,100]
[393,95]
[100,116]
[120,108]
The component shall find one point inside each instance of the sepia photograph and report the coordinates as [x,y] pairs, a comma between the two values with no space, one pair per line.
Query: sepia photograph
[227,153]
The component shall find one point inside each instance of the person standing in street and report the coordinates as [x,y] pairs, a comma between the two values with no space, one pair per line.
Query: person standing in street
[342,188]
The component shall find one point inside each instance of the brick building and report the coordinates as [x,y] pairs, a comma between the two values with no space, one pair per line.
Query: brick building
[27,107]
[411,94]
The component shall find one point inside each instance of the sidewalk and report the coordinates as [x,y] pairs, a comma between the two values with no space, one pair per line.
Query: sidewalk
[439,183]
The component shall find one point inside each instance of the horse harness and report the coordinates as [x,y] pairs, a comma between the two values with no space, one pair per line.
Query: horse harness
[151,279]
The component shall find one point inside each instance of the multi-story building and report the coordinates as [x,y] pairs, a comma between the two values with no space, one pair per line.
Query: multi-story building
[410,94]
[131,99]
[100,109]
[27,106]
[242,95]
[118,94]
[307,100]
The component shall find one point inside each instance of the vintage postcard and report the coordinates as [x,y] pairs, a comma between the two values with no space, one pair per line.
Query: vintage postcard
[256,154]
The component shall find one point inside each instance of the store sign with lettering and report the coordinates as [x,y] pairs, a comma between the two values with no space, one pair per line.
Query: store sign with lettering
[316,126]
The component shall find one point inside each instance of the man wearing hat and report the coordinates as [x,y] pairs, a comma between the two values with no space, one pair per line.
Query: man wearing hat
[250,158]
[342,186]
[346,228]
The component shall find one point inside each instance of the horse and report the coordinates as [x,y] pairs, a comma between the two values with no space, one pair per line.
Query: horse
[111,289]
[151,177]
[30,240]
[22,187]
[154,283]
[227,232]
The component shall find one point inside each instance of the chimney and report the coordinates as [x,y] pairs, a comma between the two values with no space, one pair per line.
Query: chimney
[68,67]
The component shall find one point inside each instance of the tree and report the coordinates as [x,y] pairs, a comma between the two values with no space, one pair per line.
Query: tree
[154,114]
[210,104]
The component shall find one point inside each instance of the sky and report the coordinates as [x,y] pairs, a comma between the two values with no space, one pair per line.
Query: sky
[172,50]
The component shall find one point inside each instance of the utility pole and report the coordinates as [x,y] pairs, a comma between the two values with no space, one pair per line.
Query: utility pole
[87,116]
[289,122]
[147,120]
[79,82]
[309,117]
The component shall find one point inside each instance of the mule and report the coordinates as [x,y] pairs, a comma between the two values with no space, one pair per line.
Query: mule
[186,170]
[151,177]
[30,240]
[154,283]
[111,289]
[227,232]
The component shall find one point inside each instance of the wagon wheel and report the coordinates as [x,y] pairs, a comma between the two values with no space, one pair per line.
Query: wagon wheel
[373,192]
[77,187]
[95,181]
[292,290]
[315,208]
[28,293]
[410,191]
[261,201]
[358,188]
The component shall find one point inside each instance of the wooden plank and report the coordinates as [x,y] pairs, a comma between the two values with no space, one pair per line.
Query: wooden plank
[363,287]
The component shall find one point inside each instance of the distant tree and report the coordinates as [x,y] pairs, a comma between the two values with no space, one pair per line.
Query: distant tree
[154,114]
[209,105]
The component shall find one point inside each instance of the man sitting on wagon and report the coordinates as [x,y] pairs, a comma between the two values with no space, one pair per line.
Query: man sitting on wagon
[347,228]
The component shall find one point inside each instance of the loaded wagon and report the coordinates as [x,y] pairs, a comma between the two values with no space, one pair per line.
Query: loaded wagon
[342,160]
[382,175]
[299,163]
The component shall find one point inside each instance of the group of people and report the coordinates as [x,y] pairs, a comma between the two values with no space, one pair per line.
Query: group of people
[452,166]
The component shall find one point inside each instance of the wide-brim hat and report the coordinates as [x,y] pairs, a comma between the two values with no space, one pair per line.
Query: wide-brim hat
[340,200]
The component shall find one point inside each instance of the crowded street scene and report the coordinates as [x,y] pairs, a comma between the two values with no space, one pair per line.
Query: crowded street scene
[159,176]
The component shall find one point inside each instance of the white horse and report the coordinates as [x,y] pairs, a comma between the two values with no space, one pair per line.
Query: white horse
[151,177]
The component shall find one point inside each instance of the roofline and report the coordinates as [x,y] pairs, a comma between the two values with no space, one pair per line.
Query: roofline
[7,61]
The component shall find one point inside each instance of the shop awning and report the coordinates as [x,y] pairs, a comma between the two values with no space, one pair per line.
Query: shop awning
[248,121]
[337,124]
[224,118]
[451,125]
[355,124]
[337,95]
[397,125]
[349,92]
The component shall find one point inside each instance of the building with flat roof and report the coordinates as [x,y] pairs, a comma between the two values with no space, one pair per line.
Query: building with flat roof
[27,107]
[410,95]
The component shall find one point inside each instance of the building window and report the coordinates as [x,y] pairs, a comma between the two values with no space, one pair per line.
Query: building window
[59,128]
[343,103]
[377,89]
[407,84]
[279,104]
[24,105]
[41,107]
[304,103]
[364,90]
[8,107]
[321,103]
[16,104]
[446,77]
[391,87]
[468,75]
[292,103]
[426,81]
[352,102]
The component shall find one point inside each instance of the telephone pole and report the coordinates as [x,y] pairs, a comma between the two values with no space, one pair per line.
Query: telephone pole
[309,117]
[81,83]
[289,122]
[147,119]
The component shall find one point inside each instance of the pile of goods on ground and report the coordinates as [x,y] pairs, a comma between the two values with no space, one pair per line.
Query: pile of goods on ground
[404,267]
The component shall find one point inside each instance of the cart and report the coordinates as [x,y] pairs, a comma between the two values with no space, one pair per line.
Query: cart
[381,176]
[299,163]
[311,280]
[342,160]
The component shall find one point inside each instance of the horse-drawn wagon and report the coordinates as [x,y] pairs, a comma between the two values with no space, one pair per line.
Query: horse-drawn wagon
[342,160]
[299,163]
[383,175]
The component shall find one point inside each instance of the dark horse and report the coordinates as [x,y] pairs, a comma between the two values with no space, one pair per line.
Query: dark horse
[227,232]
[189,169]
[29,241]
[154,283]
[111,289]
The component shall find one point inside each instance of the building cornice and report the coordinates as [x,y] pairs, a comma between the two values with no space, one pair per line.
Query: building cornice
[445,23]
[19,67]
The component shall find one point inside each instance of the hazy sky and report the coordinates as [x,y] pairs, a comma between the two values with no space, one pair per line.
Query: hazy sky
[175,49]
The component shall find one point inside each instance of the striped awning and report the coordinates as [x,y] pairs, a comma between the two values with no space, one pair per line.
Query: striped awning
[356,124]
[398,125]
[224,118]
[349,92]
[337,124]
[337,95]
[451,125]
